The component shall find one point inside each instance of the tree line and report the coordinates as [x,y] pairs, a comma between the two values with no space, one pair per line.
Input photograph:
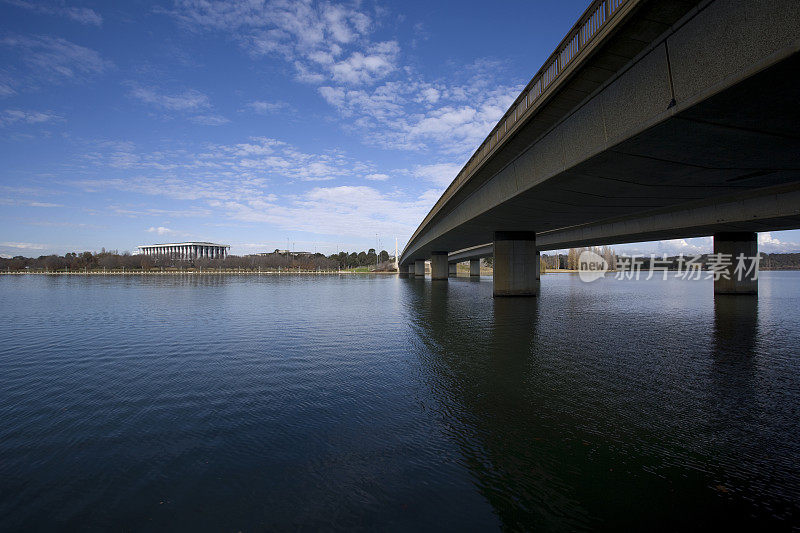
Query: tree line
[370,260]
[114,260]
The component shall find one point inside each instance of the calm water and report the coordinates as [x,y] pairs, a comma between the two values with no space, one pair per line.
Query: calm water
[262,403]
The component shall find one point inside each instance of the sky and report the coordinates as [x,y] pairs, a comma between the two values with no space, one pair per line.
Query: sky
[321,126]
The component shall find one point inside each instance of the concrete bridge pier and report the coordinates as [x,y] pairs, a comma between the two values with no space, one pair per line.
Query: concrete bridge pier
[516,264]
[419,268]
[475,267]
[439,265]
[452,269]
[411,268]
[739,264]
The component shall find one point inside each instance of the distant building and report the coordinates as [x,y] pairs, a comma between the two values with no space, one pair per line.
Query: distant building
[186,251]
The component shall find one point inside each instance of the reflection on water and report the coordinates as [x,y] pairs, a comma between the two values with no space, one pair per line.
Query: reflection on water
[561,434]
[266,402]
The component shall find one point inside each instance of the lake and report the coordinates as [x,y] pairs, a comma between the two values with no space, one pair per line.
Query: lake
[248,403]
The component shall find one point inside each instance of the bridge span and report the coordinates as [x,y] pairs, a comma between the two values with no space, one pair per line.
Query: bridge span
[650,120]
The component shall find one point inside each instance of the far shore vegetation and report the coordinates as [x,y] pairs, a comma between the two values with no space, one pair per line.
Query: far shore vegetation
[278,261]
[283,261]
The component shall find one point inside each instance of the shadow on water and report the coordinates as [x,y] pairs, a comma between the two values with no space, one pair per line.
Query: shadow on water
[542,466]
[479,363]
[736,336]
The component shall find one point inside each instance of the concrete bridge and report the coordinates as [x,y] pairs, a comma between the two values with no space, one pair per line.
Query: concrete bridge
[650,120]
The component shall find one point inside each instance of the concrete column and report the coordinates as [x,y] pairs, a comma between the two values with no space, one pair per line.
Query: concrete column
[411,269]
[516,263]
[439,265]
[475,267]
[419,268]
[739,262]
[452,269]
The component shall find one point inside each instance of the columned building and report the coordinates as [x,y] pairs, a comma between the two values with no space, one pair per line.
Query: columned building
[186,251]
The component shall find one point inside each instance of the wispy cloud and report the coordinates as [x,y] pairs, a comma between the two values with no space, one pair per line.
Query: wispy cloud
[218,172]
[186,100]
[266,108]
[50,60]
[6,90]
[13,116]
[26,203]
[24,245]
[83,15]
[210,120]
[236,182]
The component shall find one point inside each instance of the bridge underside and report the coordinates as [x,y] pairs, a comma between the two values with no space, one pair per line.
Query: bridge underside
[730,162]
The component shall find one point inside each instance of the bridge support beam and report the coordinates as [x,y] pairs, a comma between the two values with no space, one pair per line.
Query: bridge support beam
[439,265]
[411,270]
[419,268]
[452,269]
[516,264]
[475,267]
[741,260]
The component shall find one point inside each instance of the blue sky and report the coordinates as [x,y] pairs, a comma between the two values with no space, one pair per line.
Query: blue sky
[253,123]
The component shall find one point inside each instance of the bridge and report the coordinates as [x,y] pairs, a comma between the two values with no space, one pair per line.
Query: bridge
[651,120]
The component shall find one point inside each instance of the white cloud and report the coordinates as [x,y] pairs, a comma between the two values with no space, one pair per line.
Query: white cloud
[320,40]
[441,174]
[770,244]
[355,211]
[161,230]
[84,15]
[377,177]
[414,114]
[379,61]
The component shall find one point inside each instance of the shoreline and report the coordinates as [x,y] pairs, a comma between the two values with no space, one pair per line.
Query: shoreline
[284,273]
[189,272]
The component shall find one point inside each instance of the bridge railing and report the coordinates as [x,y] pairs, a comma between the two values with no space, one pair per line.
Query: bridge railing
[599,15]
